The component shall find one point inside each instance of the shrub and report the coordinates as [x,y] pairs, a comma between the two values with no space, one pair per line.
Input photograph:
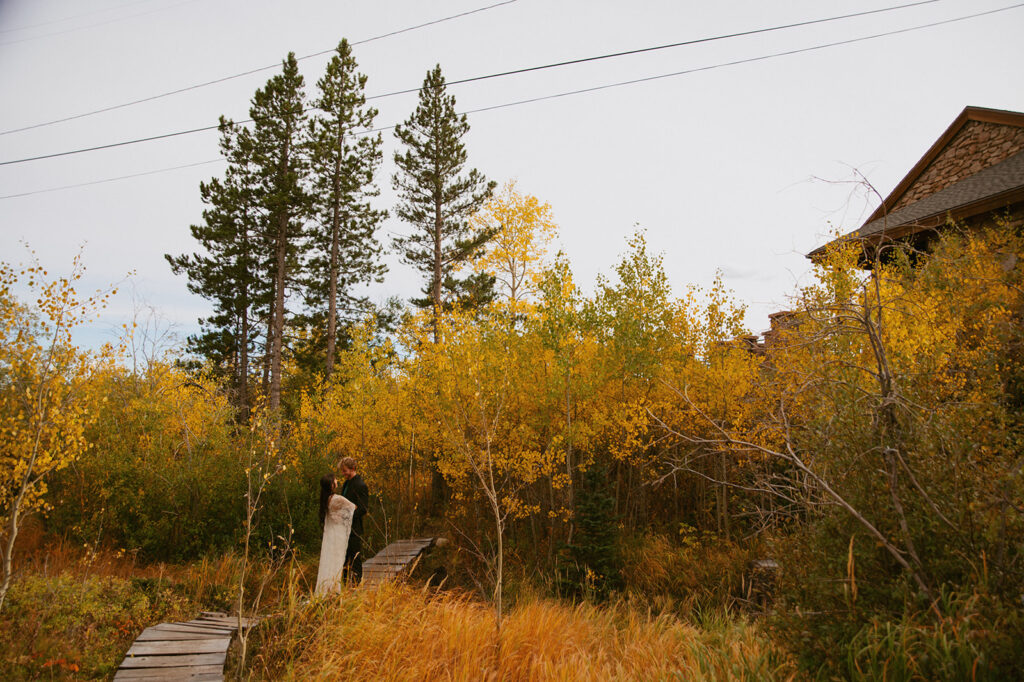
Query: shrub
[73,625]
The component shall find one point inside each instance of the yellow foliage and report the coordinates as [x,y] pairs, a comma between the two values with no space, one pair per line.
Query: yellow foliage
[45,406]
[523,227]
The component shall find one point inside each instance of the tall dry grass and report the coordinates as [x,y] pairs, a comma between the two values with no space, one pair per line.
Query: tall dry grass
[395,632]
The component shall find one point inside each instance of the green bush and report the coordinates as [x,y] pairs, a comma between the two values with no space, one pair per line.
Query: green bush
[74,626]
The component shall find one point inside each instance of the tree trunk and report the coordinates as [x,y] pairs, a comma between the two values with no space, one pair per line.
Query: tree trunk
[435,289]
[570,496]
[13,523]
[438,485]
[332,303]
[280,278]
[243,341]
[14,518]
[243,363]
[281,271]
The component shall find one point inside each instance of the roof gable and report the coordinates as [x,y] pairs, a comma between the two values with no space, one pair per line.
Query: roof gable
[977,139]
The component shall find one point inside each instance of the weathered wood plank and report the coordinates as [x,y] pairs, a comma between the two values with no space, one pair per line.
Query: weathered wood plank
[174,661]
[383,568]
[195,673]
[395,555]
[395,559]
[388,563]
[189,646]
[407,545]
[378,577]
[158,635]
[392,558]
[196,625]
[415,551]
[225,621]
[192,650]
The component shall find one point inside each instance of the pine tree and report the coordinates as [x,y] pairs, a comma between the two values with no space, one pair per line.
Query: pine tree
[253,234]
[227,273]
[278,167]
[595,552]
[437,199]
[344,250]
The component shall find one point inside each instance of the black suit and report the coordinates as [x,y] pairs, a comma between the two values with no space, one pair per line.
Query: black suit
[355,490]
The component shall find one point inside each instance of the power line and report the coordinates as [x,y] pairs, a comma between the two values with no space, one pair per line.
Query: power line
[116,144]
[120,177]
[73,16]
[579,91]
[747,60]
[667,46]
[98,23]
[484,77]
[252,71]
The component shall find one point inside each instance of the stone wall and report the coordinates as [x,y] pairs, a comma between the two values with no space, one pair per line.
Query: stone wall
[977,146]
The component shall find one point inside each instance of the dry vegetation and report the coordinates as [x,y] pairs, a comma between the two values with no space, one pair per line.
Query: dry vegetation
[73,613]
[398,632]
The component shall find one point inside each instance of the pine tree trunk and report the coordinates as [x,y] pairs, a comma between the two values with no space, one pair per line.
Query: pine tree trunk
[243,363]
[281,270]
[332,303]
[280,276]
[267,343]
[243,341]
[265,382]
[435,291]
[438,486]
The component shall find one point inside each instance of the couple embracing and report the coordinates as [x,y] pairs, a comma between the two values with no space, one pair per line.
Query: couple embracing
[343,505]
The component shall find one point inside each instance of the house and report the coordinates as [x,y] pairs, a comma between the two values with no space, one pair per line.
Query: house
[974,171]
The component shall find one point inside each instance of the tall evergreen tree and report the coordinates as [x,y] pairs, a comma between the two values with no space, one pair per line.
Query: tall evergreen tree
[253,234]
[344,251]
[437,198]
[227,274]
[278,167]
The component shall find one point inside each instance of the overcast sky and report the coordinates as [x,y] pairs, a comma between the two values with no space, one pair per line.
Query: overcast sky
[738,168]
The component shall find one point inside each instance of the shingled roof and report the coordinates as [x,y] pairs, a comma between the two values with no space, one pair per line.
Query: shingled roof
[1002,179]
[968,171]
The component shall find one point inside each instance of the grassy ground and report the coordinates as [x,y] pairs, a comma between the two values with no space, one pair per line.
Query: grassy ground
[397,632]
[72,614]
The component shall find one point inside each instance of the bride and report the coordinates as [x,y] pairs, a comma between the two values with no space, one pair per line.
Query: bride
[336,518]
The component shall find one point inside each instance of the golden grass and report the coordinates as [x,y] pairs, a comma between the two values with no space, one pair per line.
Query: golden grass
[393,632]
[396,632]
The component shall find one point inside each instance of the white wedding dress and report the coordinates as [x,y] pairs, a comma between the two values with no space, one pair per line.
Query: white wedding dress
[337,526]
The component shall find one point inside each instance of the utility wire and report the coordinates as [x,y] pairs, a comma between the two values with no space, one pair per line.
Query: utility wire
[252,71]
[479,78]
[98,23]
[120,177]
[73,16]
[733,63]
[655,48]
[591,89]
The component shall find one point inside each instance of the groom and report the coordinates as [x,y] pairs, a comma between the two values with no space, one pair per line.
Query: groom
[355,490]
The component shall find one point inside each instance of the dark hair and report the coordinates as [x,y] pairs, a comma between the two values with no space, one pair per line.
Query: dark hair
[326,490]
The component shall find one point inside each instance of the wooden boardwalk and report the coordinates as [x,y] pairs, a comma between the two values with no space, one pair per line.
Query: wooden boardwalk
[198,649]
[394,559]
[194,650]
